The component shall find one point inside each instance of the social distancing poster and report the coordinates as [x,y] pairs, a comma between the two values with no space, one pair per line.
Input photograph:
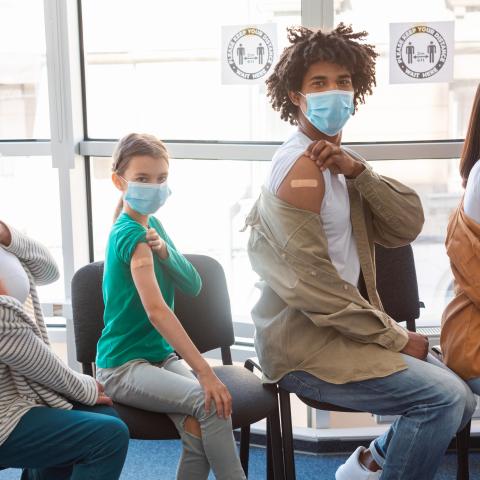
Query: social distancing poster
[249,53]
[421,52]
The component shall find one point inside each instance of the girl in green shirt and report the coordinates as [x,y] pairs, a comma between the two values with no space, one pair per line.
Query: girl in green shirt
[135,355]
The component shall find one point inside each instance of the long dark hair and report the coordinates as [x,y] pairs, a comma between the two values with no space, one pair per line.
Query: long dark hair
[471,147]
[132,145]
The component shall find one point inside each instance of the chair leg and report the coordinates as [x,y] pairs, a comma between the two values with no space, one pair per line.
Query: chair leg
[275,467]
[287,434]
[245,448]
[270,473]
[463,445]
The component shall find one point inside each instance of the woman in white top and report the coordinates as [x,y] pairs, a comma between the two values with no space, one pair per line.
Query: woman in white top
[55,423]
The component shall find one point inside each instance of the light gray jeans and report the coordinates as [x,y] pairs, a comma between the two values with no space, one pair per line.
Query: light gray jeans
[169,387]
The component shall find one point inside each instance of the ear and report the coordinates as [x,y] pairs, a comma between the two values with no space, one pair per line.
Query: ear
[118,182]
[294,97]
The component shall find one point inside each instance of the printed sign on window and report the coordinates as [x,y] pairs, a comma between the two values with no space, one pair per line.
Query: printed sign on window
[248,53]
[421,52]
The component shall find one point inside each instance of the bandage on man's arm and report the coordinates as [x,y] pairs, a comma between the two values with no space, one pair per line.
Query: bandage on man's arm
[303,187]
[304,183]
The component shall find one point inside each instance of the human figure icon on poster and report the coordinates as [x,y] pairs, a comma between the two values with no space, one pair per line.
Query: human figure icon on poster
[260,53]
[410,51]
[240,54]
[431,50]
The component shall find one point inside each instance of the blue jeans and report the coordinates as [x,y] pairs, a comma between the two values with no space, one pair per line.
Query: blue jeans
[474,384]
[86,443]
[433,404]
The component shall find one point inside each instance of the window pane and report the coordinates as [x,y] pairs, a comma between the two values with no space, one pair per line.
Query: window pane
[429,111]
[203,215]
[31,204]
[158,65]
[23,76]
[439,185]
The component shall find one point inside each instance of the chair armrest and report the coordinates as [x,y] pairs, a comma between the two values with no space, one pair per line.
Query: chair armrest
[252,363]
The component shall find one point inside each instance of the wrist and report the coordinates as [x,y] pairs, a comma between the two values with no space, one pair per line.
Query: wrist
[357,169]
[204,369]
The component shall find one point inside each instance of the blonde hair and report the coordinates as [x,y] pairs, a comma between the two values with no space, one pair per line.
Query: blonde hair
[133,145]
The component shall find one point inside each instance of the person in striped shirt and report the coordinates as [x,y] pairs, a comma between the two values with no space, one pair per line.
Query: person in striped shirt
[55,423]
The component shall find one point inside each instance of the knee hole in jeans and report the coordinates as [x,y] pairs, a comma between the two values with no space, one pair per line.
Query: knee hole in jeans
[192,426]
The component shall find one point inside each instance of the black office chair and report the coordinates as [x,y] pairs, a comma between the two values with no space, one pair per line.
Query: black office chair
[207,320]
[398,290]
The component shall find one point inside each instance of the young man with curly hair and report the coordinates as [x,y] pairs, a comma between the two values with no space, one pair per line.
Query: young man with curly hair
[321,330]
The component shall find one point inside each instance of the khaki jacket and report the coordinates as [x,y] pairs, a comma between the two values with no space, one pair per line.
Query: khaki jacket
[310,319]
[460,337]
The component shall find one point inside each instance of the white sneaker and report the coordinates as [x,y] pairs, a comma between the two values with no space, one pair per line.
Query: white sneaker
[352,469]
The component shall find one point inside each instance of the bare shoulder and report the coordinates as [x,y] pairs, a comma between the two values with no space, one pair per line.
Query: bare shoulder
[304,186]
[141,257]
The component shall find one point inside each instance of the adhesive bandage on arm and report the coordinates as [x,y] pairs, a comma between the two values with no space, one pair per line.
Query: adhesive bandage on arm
[141,262]
[304,183]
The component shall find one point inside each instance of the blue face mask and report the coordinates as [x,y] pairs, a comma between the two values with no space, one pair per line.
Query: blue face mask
[146,198]
[329,111]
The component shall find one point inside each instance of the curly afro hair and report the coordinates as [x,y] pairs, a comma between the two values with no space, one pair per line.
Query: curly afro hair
[340,46]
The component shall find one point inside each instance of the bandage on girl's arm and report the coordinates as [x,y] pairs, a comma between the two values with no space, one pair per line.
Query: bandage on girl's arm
[141,262]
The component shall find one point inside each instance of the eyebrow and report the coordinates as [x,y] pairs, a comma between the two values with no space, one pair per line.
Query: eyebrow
[139,174]
[323,77]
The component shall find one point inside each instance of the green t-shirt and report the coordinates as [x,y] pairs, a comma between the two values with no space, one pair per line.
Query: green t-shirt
[128,333]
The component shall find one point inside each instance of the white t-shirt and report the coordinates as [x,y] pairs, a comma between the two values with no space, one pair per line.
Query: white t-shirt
[471,201]
[13,276]
[334,212]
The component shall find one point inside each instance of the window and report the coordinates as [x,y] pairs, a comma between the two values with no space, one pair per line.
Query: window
[438,184]
[31,204]
[159,65]
[429,111]
[23,76]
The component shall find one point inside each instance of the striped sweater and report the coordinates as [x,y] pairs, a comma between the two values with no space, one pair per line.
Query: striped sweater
[31,375]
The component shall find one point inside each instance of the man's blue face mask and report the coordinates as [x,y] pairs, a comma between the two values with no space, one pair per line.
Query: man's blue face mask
[146,198]
[329,111]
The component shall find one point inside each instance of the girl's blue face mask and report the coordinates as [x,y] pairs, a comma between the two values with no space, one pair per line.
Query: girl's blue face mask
[146,198]
[329,111]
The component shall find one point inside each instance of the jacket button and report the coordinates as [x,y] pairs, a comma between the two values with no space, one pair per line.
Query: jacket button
[313,273]
[345,286]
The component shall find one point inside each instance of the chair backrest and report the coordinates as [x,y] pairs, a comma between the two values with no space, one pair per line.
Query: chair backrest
[206,318]
[397,283]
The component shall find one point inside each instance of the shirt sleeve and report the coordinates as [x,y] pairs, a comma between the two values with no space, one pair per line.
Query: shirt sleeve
[25,353]
[35,256]
[397,213]
[471,202]
[126,240]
